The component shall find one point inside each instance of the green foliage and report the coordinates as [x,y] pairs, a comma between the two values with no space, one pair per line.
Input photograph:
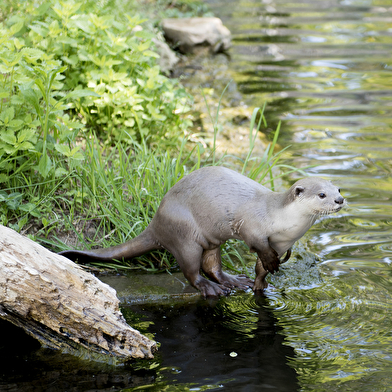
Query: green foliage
[182,8]
[32,119]
[64,67]
[112,55]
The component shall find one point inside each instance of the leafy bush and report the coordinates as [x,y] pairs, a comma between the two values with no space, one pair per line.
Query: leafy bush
[113,57]
[63,70]
[35,133]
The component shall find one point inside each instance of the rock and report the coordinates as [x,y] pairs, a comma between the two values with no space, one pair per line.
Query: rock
[167,58]
[61,305]
[189,34]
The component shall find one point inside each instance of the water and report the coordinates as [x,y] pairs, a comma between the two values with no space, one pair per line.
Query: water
[325,71]
[324,68]
[232,344]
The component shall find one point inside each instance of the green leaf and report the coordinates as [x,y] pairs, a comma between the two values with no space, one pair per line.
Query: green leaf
[25,146]
[135,57]
[54,29]
[13,200]
[16,28]
[144,46]
[150,53]
[44,166]
[10,149]
[141,82]
[41,10]
[7,115]
[12,59]
[75,125]
[18,43]
[71,60]
[15,123]
[29,207]
[28,119]
[74,152]
[61,69]
[144,34]
[41,87]
[63,149]
[67,40]
[17,100]
[84,24]
[3,178]
[60,172]
[80,94]
[31,97]
[32,54]
[27,134]
[42,31]
[78,156]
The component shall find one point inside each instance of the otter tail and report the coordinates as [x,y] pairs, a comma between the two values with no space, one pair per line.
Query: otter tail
[137,246]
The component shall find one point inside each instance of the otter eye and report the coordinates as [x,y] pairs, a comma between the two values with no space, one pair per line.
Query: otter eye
[339,190]
[322,195]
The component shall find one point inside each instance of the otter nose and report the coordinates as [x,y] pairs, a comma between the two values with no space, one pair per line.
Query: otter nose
[339,200]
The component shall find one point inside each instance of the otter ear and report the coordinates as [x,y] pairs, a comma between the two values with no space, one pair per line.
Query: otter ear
[298,190]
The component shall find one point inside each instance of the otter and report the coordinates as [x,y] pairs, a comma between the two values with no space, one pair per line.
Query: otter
[213,204]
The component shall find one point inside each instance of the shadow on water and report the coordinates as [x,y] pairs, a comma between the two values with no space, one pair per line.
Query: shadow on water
[25,367]
[231,343]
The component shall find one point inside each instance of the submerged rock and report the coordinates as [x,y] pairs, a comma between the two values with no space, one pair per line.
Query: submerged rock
[188,34]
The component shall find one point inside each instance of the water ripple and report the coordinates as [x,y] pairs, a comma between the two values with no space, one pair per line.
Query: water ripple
[325,70]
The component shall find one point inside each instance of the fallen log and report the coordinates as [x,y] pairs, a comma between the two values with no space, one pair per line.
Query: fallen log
[60,304]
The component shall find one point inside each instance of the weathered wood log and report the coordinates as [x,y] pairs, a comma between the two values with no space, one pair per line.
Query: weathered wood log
[64,307]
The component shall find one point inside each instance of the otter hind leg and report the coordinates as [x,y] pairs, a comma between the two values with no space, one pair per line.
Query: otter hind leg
[261,273]
[189,259]
[212,266]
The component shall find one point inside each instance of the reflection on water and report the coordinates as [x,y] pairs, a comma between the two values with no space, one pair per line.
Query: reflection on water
[231,344]
[325,70]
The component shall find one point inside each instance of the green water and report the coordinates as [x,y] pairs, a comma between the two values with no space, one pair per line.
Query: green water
[325,70]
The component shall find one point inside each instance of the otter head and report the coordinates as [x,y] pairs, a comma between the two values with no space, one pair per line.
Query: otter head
[316,196]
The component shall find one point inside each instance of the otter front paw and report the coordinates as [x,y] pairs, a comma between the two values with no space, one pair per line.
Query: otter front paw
[270,260]
[241,282]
